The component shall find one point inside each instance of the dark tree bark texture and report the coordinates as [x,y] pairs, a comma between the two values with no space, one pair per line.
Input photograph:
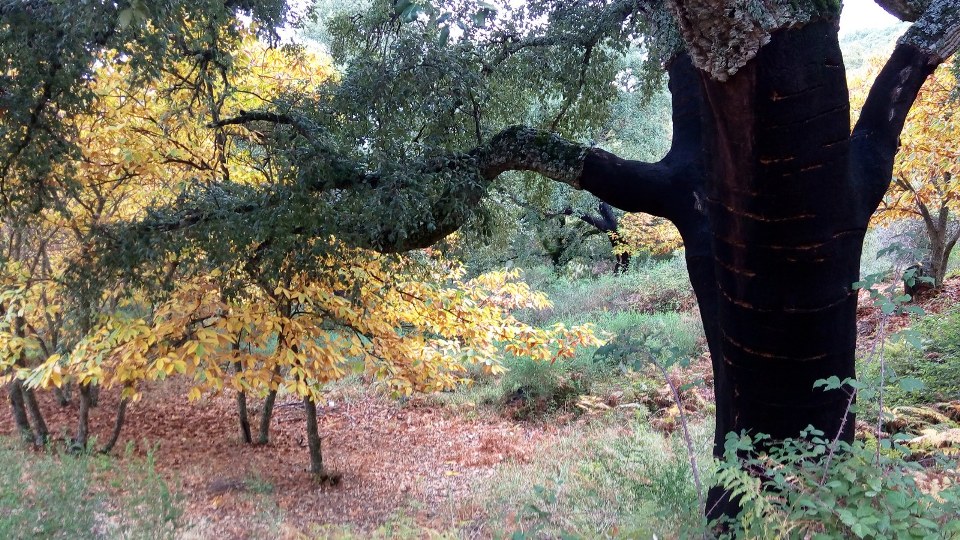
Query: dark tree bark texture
[606,222]
[40,432]
[83,420]
[245,432]
[313,437]
[772,195]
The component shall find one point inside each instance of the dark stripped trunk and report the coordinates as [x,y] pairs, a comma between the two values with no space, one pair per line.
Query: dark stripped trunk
[622,256]
[786,238]
[772,195]
[606,222]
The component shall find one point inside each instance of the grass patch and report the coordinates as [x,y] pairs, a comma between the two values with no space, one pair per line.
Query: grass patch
[60,495]
[603,480]
[398,527]
[650,286]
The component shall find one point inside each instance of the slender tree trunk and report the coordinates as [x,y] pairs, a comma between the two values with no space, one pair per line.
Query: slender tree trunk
[18,408]
[94,396]
[621,255]
[245,433]
[937,231]
[265,416]
[313,438]
[40,431]
[63,395]
[83,420]
[117,426]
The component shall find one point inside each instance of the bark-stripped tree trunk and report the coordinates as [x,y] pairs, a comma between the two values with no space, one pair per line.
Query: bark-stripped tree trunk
[607,223]
[772,195]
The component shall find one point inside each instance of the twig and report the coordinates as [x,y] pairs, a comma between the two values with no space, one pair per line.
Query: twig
[686,434]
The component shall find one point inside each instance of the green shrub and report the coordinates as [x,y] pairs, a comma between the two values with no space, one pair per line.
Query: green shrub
[656,473]
[631,329]
[797,489]
[532,388]
[606,480]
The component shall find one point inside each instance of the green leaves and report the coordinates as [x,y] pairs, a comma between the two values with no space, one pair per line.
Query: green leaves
[137,13]
[856,497]
[408,11]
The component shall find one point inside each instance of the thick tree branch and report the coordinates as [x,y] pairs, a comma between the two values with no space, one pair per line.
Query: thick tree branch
[905,10]
[874,141]
[931,40]
[671,188]
[937,30]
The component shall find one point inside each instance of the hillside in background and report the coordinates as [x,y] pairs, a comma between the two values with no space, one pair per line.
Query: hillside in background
[860,46]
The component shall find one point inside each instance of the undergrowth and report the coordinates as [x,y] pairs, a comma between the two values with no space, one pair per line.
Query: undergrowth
[611,478]
[936,363]
[61,495]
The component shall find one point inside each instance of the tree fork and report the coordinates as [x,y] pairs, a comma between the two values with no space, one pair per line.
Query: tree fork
[117,426]
[265,416]
[18,408]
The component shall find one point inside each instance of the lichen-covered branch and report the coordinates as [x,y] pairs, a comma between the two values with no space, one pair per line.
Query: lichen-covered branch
[521,148]
[905,10]
[937,31]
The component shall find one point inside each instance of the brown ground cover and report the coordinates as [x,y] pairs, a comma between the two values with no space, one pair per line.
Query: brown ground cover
[393,457]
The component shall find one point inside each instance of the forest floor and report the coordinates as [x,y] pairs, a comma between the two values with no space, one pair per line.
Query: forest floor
[418,463]
[416,458]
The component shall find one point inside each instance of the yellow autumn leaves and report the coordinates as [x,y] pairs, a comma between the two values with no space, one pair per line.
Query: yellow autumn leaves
[415,323]
[415,333]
